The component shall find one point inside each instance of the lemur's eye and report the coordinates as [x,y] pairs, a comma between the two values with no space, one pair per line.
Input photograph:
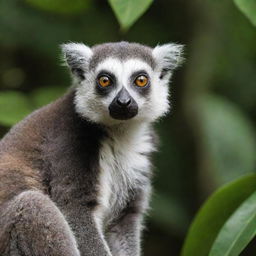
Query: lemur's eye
[104,81]
[141,81]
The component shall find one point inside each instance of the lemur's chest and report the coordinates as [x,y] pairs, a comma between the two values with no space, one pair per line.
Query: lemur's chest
[124,167]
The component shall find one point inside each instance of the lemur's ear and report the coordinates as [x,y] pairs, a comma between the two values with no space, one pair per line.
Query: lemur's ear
[168,57]
[76,56]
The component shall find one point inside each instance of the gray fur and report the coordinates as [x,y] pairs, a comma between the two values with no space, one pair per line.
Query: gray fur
[121,50]
[124,236]
[50,162]
[49,150]
[30,224]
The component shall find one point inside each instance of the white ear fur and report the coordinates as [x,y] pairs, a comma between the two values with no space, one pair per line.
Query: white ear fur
[76,56]
[168,57]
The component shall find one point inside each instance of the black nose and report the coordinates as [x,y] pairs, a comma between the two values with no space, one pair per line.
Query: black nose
[123,106]
[123,98]
[124,102]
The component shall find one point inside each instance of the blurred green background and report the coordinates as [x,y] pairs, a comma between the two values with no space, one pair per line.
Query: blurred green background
[208,139]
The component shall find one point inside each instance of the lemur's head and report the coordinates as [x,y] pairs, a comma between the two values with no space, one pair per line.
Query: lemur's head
[121,82]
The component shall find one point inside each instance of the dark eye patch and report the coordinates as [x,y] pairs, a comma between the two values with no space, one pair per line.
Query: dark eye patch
[144,91]
[104,91]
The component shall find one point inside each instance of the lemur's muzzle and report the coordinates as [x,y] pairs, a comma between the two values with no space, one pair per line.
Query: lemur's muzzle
[123,106]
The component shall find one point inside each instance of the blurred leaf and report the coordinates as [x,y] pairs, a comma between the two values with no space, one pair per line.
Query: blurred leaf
[228,138]
[14,106]
[45,95]
[214,213]
[61,6]
[248,7]
[238,231]
[128,11]
[19,27]
[168,213]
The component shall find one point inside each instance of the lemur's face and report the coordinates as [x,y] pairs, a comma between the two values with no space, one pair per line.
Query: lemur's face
[121,82]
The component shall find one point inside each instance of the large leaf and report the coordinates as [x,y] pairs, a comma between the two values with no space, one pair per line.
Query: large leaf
[14,106]
[228,139]
[238,231]
[214,213]
[128,11]
[61,6]
[248,7]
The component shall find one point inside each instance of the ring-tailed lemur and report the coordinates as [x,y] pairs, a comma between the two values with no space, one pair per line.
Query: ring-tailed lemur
[75,174]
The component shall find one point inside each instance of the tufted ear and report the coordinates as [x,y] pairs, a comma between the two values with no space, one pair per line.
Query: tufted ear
[167,57]
[76,56]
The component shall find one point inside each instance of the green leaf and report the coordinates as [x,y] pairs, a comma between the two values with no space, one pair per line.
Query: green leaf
[128,11]
[14,106]
[238,231]
[47,94]
[61,6]
[214,213]
[228,139]
[248,7]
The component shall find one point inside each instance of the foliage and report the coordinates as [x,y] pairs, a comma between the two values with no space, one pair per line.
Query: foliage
[16,105]
[215,219]
[127,12]
[169,214]
[44,95]
[61,6]
[238,231]
[223,127]
[248,7]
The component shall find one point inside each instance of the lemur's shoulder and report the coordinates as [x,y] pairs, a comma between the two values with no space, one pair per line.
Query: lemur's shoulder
[20,148]
[36,142]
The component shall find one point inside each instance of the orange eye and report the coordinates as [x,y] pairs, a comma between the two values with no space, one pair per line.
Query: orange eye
[104,81]
[141,81]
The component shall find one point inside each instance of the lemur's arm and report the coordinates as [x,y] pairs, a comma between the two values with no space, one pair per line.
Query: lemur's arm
[90,240]
[124,236]
[31,224]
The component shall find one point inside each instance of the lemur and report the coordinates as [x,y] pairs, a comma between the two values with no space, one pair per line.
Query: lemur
[75,175]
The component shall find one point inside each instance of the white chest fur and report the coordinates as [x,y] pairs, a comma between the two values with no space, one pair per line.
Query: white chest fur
[124,167]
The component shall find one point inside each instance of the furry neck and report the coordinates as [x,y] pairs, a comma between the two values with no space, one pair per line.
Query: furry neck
[128,130]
